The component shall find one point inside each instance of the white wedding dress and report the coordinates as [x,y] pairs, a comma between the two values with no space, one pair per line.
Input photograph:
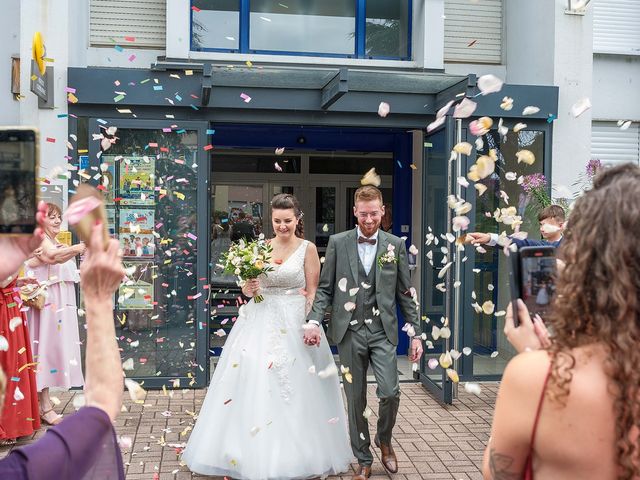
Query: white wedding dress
[268,414]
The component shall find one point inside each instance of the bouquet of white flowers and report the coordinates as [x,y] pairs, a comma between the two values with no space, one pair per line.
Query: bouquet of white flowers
[248,260]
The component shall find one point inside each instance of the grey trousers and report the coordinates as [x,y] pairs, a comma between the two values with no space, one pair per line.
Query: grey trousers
[357,349]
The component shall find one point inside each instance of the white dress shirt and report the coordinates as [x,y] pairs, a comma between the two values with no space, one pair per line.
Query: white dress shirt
[367,252]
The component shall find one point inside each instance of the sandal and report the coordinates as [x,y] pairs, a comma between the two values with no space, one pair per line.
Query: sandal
[43,417]
[8,442]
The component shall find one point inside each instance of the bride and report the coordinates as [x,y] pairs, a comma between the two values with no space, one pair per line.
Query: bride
[274,407]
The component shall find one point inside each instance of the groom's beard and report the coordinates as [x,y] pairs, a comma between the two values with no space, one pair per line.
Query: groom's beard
[368,231]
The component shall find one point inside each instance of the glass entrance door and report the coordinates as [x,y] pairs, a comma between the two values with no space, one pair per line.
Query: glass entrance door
[439,180]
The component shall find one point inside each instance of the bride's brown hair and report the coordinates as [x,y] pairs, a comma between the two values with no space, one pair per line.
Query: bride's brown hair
[598,300]
[286,201]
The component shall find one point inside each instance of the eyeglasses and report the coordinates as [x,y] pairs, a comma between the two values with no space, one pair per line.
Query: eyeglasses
[364,215]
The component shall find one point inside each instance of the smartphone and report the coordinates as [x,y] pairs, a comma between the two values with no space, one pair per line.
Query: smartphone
[18,171]
[532,278]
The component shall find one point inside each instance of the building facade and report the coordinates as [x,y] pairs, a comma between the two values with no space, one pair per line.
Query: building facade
[185,106]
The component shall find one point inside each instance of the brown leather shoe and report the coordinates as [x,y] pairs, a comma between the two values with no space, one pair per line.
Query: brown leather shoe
[388,456]
[362,472]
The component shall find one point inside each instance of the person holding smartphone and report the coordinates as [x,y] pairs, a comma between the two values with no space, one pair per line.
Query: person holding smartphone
[84,444]
[568,408]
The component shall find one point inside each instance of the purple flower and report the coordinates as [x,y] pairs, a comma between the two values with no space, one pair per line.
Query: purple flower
[533,182]
[593,166]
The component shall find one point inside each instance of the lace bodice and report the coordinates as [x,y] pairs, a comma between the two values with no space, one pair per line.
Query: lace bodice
[288,277]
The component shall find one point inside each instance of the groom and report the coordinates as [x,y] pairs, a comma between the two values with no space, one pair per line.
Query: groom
[364,325]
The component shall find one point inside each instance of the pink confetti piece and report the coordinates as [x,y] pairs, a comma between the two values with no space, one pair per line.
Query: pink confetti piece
[51,140]
[245,97]
[132,57]
[206,148]
[130,39]
[166,130]
[78,210]
[192,236]
[70,90]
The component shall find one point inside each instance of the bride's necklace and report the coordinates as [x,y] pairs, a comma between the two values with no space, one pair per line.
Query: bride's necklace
[284,255]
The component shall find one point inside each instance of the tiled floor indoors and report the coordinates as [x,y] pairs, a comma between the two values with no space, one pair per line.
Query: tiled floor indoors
[432,441]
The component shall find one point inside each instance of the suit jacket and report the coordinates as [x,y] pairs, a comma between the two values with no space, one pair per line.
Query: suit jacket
[392,285]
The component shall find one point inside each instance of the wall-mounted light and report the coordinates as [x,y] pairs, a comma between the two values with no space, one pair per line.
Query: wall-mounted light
[576,7]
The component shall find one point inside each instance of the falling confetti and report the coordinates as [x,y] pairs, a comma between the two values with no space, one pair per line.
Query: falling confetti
[383,109]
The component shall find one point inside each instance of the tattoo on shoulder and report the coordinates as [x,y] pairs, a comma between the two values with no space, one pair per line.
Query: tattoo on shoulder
[500,464]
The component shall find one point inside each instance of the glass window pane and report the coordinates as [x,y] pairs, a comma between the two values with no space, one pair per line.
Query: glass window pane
[215,24]
[151,191]
[255,163]
[491,283]
[237,213]
[325,206]
[303,26]
[349,166]
[387,28]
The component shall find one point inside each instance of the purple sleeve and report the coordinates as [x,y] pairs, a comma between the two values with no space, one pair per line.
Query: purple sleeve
[83,446]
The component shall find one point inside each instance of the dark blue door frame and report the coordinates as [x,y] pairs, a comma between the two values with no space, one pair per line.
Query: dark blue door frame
[397,142]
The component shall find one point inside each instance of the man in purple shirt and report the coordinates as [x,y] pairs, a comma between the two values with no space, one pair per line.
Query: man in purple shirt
[83,445]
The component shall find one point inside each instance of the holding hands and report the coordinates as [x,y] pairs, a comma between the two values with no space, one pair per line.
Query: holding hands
[312,335]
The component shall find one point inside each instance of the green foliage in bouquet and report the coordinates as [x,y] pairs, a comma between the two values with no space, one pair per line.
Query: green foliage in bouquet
[248,260]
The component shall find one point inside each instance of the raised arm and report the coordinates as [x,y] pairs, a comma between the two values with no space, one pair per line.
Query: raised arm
[50,254]
[326,285]
[101,274]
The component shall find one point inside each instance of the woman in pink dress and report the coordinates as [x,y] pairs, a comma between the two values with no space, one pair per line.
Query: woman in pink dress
[54,329]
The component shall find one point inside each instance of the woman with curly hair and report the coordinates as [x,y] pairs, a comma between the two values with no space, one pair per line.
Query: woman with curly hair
[573,410]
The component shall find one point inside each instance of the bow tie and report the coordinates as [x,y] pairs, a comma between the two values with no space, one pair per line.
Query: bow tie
[370,241]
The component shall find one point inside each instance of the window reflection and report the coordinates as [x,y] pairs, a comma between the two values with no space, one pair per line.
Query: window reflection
[215,24]
[303,26]
[491,281]
[387,28]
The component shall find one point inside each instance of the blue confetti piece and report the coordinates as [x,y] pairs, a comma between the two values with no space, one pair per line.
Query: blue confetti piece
[178,97]
[101,121]
[211,132]
[182,130]
[15,379]
[119,48]
[194,107]
[62,115]
[399,164]
[157,87]
[53,370]
[551,118]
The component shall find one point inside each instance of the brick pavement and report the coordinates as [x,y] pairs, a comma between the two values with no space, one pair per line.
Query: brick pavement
[431,441]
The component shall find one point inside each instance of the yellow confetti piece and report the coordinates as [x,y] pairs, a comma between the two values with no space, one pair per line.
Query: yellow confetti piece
[34,78]
[188,72]
[48,60]
[164,390]
[84,150]
[22,350]
[180,195]
[27,365]
[72,98]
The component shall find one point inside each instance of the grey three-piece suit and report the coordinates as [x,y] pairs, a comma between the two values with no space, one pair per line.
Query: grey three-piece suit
[374,341]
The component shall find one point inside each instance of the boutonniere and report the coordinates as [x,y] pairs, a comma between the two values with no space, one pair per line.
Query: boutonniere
[388,257]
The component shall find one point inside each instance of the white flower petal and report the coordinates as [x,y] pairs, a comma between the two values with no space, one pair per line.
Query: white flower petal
[489,84]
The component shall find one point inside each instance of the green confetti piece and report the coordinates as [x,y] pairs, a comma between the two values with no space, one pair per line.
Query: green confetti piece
[118,98]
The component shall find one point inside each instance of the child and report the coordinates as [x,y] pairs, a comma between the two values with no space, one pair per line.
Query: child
[552,224]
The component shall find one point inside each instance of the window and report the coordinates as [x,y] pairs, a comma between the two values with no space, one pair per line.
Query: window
[140,24]
[334,28]
[613,145]
[615,27]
